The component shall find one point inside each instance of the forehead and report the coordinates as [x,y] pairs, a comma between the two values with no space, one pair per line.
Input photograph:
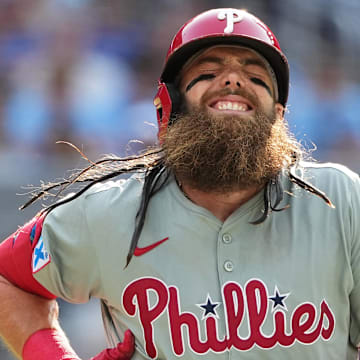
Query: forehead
[225,54]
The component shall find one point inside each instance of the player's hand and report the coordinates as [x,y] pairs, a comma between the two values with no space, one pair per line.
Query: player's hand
[123,351]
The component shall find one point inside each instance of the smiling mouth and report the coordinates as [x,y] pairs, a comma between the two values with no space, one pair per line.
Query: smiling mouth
[231,105]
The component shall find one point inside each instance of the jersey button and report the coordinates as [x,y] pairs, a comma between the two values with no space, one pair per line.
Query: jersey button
[228,266]
[226,238]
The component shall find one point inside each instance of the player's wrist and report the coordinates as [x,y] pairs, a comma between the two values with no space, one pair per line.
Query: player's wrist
[48,344]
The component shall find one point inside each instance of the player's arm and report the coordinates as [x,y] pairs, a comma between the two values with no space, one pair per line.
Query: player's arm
[29,325]
[29,312]
[23,314]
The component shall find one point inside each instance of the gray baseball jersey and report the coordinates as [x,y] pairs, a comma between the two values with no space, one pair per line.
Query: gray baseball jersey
[288,288]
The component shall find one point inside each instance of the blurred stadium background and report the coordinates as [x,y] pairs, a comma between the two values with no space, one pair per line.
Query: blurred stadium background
[85,71]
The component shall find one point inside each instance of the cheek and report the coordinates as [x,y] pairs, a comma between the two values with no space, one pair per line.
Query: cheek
[193,96]
[265,99]
[269,106]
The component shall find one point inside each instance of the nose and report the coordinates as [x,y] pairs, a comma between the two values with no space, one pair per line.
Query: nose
[228,83]
[233,79]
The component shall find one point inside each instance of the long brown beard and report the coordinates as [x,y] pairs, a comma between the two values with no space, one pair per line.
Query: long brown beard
[226,153]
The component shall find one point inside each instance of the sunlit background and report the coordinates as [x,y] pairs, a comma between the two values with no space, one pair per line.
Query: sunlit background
[85,72]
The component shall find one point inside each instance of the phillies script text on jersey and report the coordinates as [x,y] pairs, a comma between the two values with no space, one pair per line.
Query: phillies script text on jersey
[307,323]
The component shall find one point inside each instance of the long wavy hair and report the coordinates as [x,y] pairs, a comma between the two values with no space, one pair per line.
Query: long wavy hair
[156,174]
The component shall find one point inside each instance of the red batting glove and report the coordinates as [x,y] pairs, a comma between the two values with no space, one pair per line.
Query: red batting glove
[123,350]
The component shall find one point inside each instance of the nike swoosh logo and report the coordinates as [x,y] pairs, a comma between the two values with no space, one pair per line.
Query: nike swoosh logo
[141,251]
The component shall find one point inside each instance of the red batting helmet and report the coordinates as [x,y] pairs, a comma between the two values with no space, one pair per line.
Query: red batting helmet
[213,27]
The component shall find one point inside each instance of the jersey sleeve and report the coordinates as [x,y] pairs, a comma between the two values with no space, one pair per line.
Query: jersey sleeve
[68,267]
[354,220]
[16,257]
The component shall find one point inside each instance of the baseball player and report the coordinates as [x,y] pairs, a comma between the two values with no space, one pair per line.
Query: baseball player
[224,243]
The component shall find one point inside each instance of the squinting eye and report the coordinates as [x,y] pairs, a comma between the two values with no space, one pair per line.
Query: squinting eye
[199,78]
[262,83]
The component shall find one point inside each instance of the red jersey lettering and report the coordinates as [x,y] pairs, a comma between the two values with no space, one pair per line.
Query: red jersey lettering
[306,326]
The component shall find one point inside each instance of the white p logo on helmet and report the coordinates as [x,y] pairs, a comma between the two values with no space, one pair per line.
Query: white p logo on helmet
[232,16]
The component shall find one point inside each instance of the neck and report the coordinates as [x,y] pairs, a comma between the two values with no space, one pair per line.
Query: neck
[222,205]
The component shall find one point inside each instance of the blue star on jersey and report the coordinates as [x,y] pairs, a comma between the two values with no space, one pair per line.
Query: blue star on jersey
[209,307]
[40,257]
[278,299]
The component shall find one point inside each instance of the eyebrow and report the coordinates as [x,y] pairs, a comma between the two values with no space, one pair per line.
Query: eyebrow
[208,59]
[252,61]
[220,61]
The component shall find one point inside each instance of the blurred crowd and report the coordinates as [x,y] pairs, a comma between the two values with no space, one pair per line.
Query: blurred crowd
[85,72]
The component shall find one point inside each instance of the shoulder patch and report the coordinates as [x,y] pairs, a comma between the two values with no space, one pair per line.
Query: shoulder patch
[40,256]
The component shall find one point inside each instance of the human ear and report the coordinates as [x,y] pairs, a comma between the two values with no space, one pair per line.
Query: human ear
[279,110]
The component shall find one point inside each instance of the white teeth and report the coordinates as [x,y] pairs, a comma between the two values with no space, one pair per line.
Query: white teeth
[231,106]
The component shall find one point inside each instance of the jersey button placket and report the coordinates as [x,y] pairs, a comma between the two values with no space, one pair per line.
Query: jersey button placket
[226,263]
[228,266]
[226,238]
